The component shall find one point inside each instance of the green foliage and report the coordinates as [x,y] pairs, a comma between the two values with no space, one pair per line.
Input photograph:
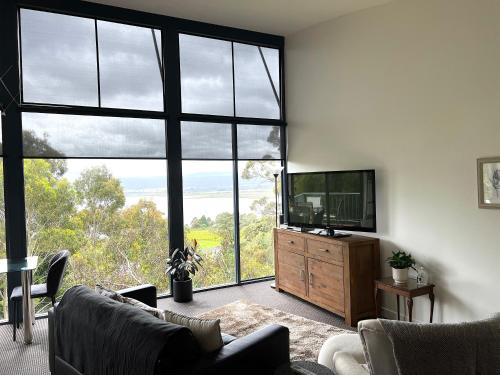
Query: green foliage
[400,260]
[184,262]
[120,246]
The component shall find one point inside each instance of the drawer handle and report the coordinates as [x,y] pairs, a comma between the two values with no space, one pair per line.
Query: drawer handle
[302,275]
[324,250]
[291,242]
[310,279]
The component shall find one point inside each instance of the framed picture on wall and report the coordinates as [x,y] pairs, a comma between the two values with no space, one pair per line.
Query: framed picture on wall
[488,179]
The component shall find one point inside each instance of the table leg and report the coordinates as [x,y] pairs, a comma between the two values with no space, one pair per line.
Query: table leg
[27,321]
[410,308]
[397,299]
[431,297]
[377,303]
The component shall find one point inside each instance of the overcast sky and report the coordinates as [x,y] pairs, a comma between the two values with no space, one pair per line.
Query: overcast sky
[59,64]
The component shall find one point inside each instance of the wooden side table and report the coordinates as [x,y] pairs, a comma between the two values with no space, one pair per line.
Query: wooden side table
[409,290]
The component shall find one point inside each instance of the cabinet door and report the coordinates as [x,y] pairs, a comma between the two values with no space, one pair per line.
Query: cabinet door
[292,272]
[326,283]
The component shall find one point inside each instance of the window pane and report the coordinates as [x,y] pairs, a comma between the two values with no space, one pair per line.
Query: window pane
[129,68]
[59,62]
[255,96]
[53,135]
[206,75]
[259,142]
[208,218]
[257,216]
[110,214]
[4,297]
[206,141]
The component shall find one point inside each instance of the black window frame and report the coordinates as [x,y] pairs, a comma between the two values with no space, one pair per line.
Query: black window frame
[170,28]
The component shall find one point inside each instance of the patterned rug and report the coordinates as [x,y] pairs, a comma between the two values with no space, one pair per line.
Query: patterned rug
[243,317]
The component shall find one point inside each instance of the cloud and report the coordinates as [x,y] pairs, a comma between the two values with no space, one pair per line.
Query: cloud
[92,136]
[206,141]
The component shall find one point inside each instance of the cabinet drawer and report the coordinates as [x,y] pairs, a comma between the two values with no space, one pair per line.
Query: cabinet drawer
[292,271]
[326,283]
[291,241]
[325,249]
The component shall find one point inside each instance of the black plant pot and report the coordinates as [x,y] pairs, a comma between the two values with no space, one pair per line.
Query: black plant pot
[183,290]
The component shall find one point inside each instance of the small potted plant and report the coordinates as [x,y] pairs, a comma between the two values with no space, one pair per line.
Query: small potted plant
[400,263]
[183,264]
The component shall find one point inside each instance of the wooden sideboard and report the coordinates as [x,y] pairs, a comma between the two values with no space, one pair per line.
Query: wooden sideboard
[337,274]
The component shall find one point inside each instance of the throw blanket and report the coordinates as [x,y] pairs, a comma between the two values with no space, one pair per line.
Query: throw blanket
[454,349]
[98,336]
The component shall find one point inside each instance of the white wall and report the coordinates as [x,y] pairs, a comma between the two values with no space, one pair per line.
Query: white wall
[412,89]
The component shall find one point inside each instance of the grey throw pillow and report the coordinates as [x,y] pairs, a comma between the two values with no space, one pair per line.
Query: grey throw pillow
[151,310]
[106,292]
[131,301]
[206,331]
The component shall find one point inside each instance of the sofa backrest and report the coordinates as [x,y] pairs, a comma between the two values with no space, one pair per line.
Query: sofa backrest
[377,347]
[89,326]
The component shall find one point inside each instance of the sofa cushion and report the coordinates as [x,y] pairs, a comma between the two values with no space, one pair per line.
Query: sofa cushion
[206,331]
[377,348]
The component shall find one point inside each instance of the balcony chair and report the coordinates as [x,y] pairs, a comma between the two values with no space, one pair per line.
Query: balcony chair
[57,266]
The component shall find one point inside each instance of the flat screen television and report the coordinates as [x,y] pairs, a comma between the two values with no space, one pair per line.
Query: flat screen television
[340,200]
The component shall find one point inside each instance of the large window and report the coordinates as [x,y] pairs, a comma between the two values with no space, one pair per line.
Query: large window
[95,185]
[111,214]
[109,111]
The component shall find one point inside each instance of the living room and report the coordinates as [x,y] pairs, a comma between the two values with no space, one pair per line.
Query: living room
[132,129]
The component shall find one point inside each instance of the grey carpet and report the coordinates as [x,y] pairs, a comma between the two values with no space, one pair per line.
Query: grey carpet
[17,358]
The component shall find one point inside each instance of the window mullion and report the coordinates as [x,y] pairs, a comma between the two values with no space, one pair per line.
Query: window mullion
[98,64]
[236,208]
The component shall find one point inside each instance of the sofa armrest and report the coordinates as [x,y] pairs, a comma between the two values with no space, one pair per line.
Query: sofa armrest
[345,364]
[52,352]
[143,293]
[260,352]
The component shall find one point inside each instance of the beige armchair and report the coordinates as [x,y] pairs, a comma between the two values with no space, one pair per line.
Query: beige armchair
[345,356]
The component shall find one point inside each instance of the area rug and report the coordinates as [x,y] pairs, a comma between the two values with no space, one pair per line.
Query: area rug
[306,336]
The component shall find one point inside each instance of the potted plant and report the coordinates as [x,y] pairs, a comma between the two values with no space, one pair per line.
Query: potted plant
[183,264]
[400,263]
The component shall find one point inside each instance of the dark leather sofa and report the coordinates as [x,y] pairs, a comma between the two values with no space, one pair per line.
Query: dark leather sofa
[260,352]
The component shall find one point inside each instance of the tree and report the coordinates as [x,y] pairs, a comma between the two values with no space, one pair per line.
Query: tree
[101,196]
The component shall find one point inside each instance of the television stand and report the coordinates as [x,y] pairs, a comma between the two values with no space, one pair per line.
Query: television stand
[337,274]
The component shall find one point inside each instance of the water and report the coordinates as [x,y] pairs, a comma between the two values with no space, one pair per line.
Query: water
[209,204]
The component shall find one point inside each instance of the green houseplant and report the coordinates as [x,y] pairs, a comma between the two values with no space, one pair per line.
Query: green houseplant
[400,262]
[182,265]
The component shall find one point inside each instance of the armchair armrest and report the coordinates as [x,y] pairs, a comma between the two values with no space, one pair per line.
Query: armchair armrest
[260,352]
[143,293]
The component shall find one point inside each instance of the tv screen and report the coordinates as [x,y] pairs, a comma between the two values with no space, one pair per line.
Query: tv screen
[339,200]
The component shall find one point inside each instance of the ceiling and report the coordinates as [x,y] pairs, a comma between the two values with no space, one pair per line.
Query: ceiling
[281,17]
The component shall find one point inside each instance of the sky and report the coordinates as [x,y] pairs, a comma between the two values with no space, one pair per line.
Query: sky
[60,66]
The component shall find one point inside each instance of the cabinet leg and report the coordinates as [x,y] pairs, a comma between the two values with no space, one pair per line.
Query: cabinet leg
[410,308]
[431,297]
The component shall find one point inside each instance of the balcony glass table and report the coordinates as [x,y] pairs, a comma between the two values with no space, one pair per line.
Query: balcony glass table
[26,267]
